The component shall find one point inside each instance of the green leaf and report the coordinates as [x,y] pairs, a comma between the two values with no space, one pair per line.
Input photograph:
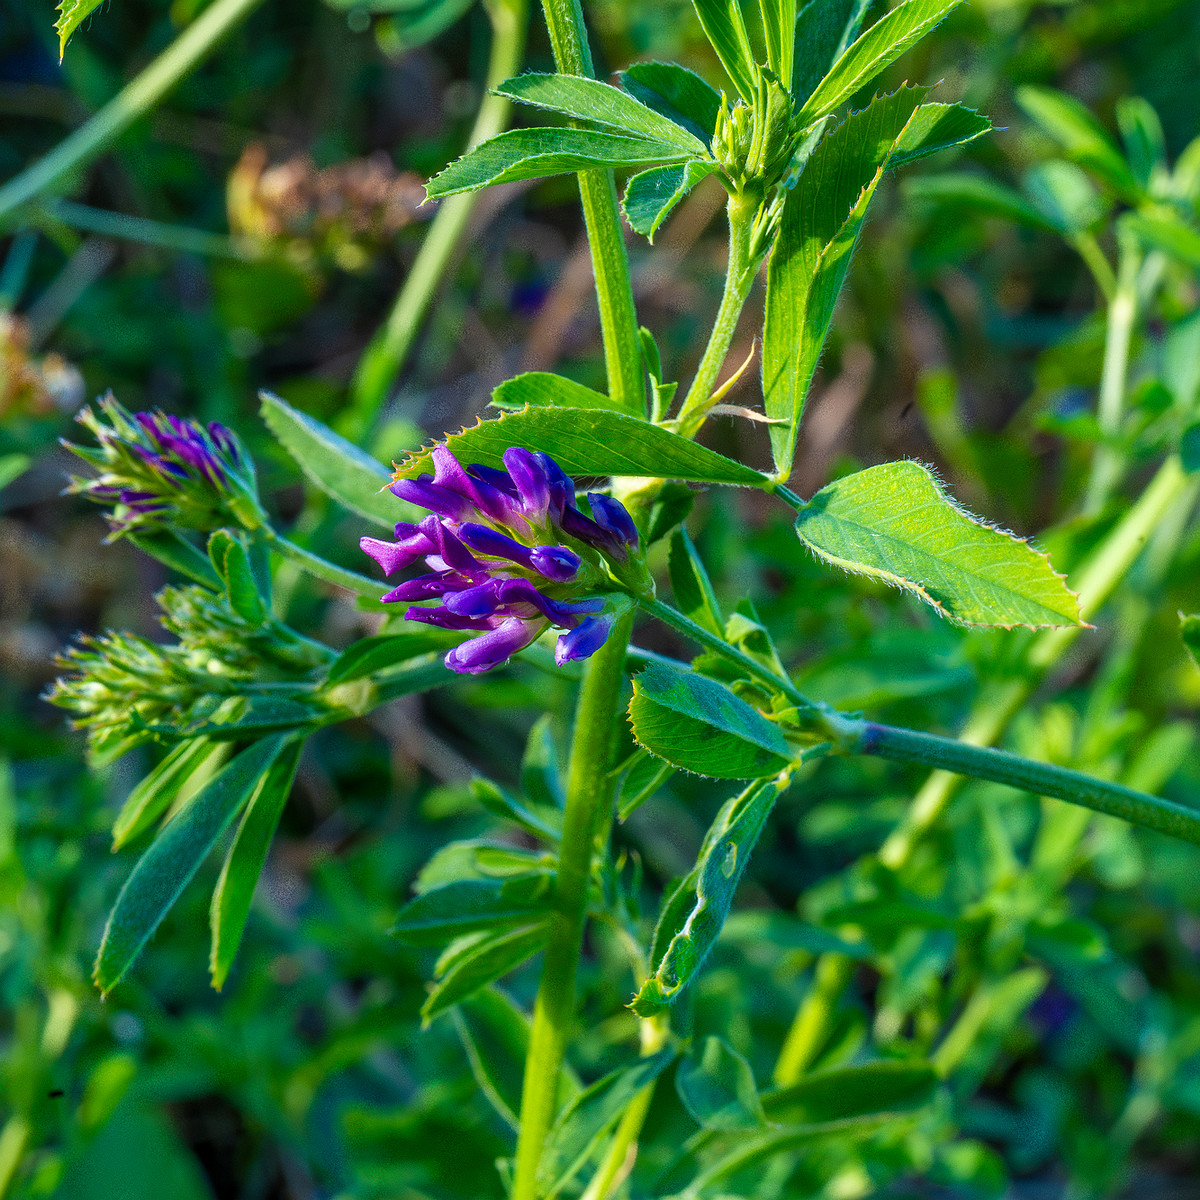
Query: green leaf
[678,94]
[231,561]
[12,467]
[1065,196]
[977,192]
[823,31]
[1080,134]
[699,725]
[339,468]
[590,100]
[542,389]
[936,127]
[718,1089]
[536,153]
[174,857]
[583,1124]
[725,29]
[692,917]
[544,824]
[641,780]
[1145,144]
[243,864]
[821,220]
[441,915]
[590,442]
[484,962]
[372,654]
[872,53]
[779,32]
[894,522]
[190,762]
[1166,231]
[848,1100]
[1189,627]
[540,779]
[694,595]
[72,14]
[651,195]
[1189,449]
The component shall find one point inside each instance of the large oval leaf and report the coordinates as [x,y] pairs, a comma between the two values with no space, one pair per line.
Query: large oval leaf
[895,523]
[590,442]
[701,726]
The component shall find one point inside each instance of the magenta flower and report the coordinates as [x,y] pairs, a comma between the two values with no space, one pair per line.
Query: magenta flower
[510,556]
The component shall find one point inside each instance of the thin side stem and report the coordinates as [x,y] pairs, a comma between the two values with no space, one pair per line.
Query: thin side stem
[132,102]
[314,564]
[150,233]
[585,820]
[739,279]
[602,218]
[385,357]
[1042,779]
[803,1042]
[1122,317]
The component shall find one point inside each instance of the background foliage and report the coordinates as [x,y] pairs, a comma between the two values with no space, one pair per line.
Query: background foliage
[965,339]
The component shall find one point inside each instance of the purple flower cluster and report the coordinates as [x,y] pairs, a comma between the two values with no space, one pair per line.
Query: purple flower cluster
[509,556]
[156,470]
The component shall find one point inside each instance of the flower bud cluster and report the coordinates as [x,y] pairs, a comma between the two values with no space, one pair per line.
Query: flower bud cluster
[157,471]
[755,143]
[510,556]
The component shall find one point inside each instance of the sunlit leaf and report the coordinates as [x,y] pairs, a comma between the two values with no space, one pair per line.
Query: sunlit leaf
[482,962]
[542,389]
[72,14]
[651,195]
[679,94]
[725,29]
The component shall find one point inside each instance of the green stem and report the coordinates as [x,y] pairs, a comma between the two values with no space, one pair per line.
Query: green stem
[1042,779]
[602,218]
[807,1034]
[739,279]
[584,822]
[149,233]
[384,358]
[132,102]
[352,581]
[1122,317]
[755,669]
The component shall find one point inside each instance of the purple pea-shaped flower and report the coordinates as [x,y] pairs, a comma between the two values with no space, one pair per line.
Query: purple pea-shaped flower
[510,555]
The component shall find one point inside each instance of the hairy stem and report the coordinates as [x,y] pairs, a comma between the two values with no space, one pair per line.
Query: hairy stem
[132,102]
[739,279]
[584,822]
[314,564]
[384,358]
[602,218]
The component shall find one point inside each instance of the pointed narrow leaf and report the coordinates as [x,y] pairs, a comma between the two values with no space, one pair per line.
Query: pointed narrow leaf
[174,857]
[894,522]
[542,389]
[590,100]
[439,916]
[72,14]
[178,554]
[577,1133]
[717,1088]
[651,195]
[823,31]
[937,127]
[244,863]
[368,655]
[822,217]
[692,919]
[1065,195]
[873,52]
[694,595]
[339,468]
[486,962]
[1190,628]
[544,824]
[699,725]
[541,780]
[495,1035]
[1142,133]
[640,782]
[677,93]
[536,153]
[845,1093]
[590,442]
[725,29]
[232,563]
[1078,132]
[192,760]
[779,31]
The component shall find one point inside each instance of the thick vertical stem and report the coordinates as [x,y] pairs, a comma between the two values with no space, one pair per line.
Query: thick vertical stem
[739,278]
[586,819]
[602,217]
[384,358]
[132,102]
